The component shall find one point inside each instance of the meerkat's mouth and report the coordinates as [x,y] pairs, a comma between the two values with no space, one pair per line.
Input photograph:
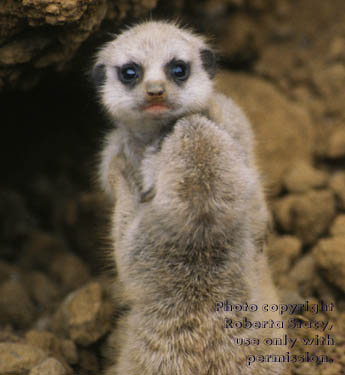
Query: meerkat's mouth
[156,108]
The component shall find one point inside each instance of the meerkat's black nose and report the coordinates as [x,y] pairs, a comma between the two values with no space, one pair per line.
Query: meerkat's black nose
[156,88]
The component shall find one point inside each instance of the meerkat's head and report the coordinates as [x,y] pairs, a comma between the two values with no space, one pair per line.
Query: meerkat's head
[153,73]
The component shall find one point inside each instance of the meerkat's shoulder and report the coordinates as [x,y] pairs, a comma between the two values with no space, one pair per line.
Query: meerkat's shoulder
[227,114]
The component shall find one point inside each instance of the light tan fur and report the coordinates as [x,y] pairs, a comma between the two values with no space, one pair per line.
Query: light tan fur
[186,249]
[190,216]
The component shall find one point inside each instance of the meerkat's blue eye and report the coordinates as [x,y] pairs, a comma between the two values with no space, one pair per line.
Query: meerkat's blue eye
[129,74]
[179,70]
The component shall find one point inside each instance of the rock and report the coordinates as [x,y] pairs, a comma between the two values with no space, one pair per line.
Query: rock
[7,335]
[282,212]
[303,177]
[22,50]
[239,37]
[43,340]
[43,290]
[89,361]
[336,144]
[50,366]
[69,351]
[333,369]
[85,315]
[337,185]
[338,226]
[283,129]
[41,249]
[16,306]
[329,81]
[307,369]
[7,271]
[281,252]
[18,359]
[302,275]
[27,46]
[43,322]
[52,345]
[55,12]
[337,48]
[70,271]
[306,277]
[51,254]
[307,215]
[79,218]
[330,258]
[285,246]
[17,223]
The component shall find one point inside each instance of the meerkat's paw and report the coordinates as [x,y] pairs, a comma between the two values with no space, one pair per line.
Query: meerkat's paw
[203,161]
[200,177]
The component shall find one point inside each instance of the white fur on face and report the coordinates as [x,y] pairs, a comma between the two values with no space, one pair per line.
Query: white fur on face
[152,45]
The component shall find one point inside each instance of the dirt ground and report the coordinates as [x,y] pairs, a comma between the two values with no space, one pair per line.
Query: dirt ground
[284,63]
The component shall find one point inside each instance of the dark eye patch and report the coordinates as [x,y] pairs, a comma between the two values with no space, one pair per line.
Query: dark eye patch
[178,70]
[209,61]
[98,75]
[130,74]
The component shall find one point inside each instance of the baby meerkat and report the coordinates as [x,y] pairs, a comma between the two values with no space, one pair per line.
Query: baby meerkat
[186,251]
[150,76]
[190,212]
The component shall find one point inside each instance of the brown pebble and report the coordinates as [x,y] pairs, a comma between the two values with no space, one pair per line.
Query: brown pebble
[7,271]
[284,246]
[338,226]
[336,144]
[303,273]
[85,315]
[304,177]
[337,48]
[69,351]
[307,215]
[70,271]
[281,252]
[51,344]
[89,361]
[16,306]
[42,289]
[332,369]
[282,211]
[7,335]
[329,255]
[19,358]
[43,339]
[337,185]
[41,250]
[305,277]
[50,366]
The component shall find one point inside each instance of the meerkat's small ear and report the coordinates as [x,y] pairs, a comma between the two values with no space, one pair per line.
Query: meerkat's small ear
[98,75]
[209,61]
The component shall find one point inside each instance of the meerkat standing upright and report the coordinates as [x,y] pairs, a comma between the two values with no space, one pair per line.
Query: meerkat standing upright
[190,210]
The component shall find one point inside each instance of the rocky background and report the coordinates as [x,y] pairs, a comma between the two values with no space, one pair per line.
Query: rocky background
[283,61]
